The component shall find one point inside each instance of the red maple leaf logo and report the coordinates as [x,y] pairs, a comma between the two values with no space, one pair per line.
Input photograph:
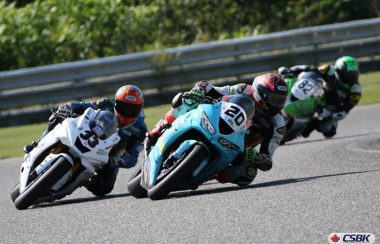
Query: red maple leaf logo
[335,238]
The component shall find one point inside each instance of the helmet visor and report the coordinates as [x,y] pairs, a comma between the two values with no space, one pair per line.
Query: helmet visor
[350,77]
[276,100]
[128,109]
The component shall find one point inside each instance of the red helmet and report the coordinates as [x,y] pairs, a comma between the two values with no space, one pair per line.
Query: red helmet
[270,92]
[129,102]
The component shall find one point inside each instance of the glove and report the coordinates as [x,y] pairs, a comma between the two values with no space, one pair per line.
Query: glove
[104,104]
[196,94]
[326,69]
[64,111]
[116,162]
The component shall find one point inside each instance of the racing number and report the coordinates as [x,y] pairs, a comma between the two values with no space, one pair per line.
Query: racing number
[233,112]
[305,86]
[90,137]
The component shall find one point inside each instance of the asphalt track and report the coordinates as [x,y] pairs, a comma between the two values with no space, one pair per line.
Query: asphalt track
[316,187]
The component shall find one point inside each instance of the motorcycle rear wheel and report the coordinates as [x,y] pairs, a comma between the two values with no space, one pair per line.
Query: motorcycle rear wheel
[43,183]
[180,174]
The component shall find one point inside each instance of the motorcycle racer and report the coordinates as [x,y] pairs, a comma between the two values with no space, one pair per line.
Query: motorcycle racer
[127,106]
[331,91]
[267,128]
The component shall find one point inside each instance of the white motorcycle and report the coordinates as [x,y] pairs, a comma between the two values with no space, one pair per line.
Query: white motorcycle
[66,158]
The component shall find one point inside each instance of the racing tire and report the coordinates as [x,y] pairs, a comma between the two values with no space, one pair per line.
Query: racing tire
[134,187]
[180,174]
[15,192]
[43,183]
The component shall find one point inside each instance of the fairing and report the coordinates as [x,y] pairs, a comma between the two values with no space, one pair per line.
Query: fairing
[191,123]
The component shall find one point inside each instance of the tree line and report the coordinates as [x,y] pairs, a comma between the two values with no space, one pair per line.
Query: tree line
[41,32]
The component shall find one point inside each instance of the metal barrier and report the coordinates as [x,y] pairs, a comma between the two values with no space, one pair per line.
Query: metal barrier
[177,66]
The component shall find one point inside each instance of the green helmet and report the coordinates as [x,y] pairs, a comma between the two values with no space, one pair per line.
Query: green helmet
[347,71]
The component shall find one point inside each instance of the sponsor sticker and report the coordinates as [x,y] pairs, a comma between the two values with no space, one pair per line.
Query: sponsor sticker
[281,88]
[337,238]
[130,98]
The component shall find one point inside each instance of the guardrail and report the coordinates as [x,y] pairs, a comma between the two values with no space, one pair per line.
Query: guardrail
[177,66]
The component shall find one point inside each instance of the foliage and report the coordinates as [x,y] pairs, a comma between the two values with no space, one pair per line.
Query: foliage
[41,32]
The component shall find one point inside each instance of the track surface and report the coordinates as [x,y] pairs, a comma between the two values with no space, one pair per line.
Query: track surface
[316,187]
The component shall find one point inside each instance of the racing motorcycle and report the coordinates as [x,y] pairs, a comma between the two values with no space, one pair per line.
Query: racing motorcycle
[198,145]
[306,110]
[66,158]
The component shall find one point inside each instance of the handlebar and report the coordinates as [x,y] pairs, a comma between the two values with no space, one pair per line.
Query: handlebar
[203,100]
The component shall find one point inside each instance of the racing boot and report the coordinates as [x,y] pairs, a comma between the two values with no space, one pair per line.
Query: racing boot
[258,160]
[153,135]
[239,173]
[244,168]
[310,127]
[103,182]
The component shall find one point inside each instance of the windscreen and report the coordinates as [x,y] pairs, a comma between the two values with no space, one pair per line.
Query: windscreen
[236,111]
[104,124]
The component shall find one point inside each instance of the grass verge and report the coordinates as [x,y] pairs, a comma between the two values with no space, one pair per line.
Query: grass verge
[12,139]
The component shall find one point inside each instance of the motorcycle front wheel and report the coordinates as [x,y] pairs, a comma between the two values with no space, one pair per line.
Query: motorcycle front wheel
[182,172]
[134,186]
[42,185]
[15,192]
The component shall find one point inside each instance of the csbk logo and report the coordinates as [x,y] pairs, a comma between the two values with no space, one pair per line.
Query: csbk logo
[337,238]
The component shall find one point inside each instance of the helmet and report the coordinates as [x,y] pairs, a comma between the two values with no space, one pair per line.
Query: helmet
[129,102]
[269,92]
[347,71]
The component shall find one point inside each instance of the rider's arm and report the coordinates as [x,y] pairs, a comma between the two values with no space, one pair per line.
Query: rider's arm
[297,69]
[294,70]
[130,158]
[182,105]
[80,107]
[220,91]
[131,144]
[271,140]
[353,97]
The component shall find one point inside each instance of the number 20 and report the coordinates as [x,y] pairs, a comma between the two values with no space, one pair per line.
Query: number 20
[233,112]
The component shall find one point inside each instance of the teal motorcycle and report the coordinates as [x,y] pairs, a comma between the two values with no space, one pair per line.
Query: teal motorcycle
[198,145]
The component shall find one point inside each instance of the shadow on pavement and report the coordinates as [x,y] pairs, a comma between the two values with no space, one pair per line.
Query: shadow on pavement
[264,184]
[79,200]
[203,192]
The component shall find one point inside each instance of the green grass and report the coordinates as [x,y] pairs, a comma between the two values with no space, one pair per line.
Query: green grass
[12,139]
[370,83]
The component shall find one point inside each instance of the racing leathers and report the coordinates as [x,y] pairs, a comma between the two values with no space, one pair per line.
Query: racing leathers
[263,130]
[316,91]
[124,154]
